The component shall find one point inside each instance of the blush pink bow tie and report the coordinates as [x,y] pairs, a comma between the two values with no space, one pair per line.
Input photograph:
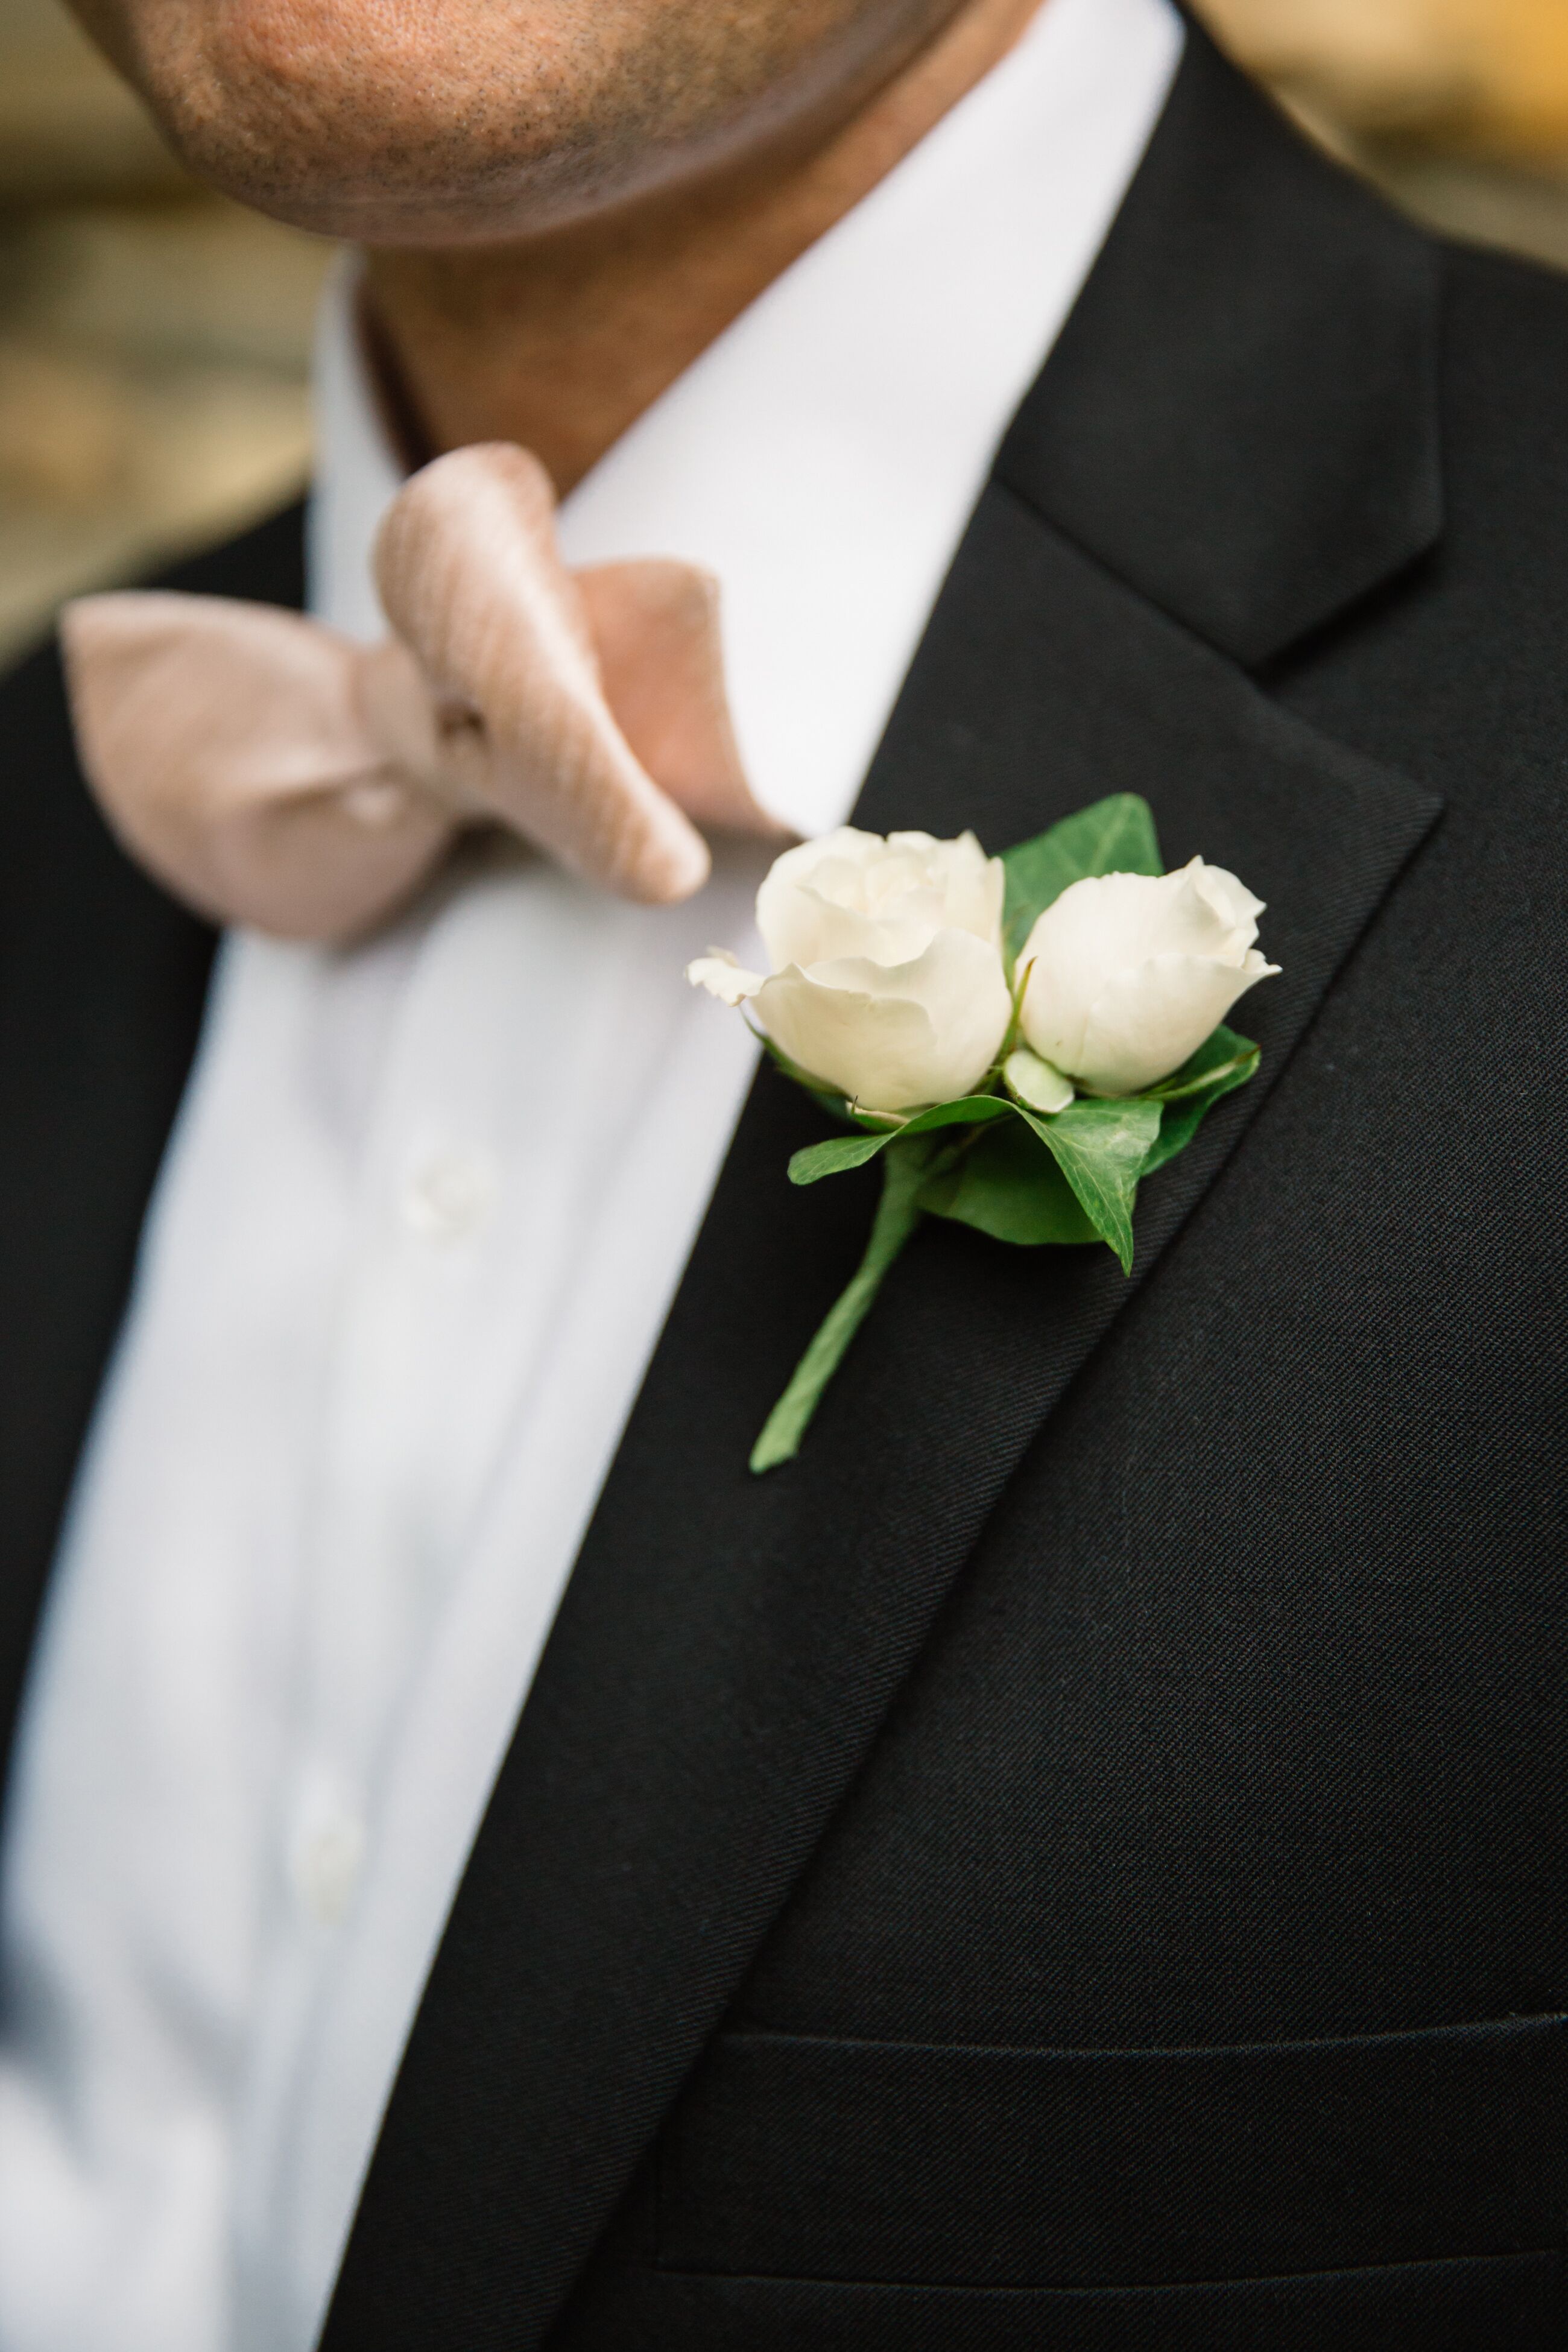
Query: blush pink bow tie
[272,772]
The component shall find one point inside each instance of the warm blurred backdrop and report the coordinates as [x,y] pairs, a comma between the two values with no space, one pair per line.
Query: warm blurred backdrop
[153,340]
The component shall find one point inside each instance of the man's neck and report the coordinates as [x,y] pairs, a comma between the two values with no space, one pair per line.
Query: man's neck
[561,342]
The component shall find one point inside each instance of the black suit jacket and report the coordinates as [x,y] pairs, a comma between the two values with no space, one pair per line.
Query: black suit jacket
[1077,1859]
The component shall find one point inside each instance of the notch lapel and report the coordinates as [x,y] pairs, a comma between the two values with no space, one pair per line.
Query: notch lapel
[1241,416]
[729,1646]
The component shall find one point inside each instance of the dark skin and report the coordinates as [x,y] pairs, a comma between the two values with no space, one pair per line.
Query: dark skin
[564,201]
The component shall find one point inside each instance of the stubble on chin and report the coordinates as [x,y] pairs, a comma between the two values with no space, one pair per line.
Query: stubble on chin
[391,121]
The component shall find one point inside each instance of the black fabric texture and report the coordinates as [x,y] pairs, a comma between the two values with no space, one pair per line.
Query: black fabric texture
[1077,1859]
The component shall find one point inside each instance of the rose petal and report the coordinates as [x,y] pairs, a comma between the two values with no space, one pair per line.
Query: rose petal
[1147,1022]
[894,1037]
[854,894]
[722,976]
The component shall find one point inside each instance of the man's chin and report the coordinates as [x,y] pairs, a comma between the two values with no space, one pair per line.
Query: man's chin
[480,120]
[474,121]
[384,204]
[381,161]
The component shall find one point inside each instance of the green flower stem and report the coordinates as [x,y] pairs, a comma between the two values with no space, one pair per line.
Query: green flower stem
[905,1167]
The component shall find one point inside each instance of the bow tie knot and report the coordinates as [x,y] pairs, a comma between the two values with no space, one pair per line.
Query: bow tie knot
[271,771]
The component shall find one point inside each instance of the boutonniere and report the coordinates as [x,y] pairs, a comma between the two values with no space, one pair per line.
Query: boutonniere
[1020,1040]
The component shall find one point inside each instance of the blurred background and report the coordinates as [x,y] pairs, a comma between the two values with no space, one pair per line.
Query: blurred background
[155,340]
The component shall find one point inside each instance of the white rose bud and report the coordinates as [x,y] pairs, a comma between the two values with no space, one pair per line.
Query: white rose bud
[887,981]
[1133,972]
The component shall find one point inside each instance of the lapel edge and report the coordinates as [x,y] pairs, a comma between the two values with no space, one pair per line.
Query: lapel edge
[1255,485]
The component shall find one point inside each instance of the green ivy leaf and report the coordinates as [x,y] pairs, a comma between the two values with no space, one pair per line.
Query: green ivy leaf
[1222,1063]
[836,1157]
[964,1110]
[845,1151]
[1008,1186]
[1115,835]
[1223,1055]
[1101,1149]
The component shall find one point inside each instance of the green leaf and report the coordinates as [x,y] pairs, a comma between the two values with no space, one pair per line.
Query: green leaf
[898,1214]
[1009,1186]
[839,1153]
[1113,836]
[1101,1149]
[1179,1123]
[1221,1054]
[843,1152]
[964,1110]
[1222,1063]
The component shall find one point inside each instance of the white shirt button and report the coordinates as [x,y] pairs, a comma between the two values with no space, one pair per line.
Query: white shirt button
[452,1193]
[326,1862]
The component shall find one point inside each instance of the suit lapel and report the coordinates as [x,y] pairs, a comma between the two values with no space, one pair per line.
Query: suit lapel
[728,1647]
[1241,416]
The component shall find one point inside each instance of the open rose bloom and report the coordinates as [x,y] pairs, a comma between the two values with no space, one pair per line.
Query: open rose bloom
[888,983]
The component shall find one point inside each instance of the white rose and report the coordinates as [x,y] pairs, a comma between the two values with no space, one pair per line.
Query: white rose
[888,983]
[1133,972]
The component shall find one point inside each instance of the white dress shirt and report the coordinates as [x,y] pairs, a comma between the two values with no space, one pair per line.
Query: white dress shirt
[421,1218]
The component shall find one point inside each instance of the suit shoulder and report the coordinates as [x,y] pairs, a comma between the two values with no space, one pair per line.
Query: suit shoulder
[1505,448]
[61,871]
[1511,283]
[1506,340]
[43,798]
[265,563]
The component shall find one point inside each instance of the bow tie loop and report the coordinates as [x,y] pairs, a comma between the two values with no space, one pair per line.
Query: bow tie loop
[272,772]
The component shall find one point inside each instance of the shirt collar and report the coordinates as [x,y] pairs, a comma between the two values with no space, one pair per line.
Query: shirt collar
[822,455]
